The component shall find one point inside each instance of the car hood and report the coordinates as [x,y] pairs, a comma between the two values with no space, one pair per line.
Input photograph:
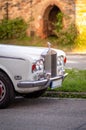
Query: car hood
[25,52]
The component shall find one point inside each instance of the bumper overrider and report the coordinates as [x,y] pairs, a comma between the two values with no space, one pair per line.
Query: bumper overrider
[42,84]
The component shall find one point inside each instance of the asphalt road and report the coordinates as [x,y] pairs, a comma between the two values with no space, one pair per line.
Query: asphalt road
[44,114]
[76,61]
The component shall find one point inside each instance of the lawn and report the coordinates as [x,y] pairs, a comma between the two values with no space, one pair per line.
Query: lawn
[74,82]
[36,41]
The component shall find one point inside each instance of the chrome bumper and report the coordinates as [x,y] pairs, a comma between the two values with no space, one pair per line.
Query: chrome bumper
[42,84]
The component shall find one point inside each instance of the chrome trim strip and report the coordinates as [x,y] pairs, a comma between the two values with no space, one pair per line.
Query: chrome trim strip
[8,57]
[30,84]
[65,75]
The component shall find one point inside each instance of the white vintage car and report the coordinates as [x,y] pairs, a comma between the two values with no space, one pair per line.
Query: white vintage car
[29,71]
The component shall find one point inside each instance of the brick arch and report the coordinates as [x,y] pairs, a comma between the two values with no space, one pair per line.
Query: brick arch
[43,22]
[44,11]
[49,18]
[51,3]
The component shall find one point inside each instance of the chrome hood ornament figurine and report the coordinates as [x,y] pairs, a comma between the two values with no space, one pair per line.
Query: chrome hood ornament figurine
[49,45]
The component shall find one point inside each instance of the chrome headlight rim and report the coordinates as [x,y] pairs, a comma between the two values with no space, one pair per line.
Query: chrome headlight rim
[37,65]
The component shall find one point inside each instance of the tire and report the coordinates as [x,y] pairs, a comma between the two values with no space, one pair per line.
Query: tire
[35,94]
[6,91]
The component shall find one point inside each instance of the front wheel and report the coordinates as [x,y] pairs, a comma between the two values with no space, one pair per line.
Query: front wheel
[6,90]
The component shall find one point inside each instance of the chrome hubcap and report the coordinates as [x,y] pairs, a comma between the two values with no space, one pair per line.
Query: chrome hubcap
[2,90]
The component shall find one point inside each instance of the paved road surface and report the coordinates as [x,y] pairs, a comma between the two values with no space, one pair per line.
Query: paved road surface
[76,61]
[44,114]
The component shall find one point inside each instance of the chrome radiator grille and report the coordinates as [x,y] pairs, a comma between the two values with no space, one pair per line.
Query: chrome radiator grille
[50,64]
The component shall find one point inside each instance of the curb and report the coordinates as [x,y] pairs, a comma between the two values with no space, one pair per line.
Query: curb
[65,94]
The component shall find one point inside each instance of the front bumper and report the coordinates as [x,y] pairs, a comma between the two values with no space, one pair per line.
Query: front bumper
[41,84]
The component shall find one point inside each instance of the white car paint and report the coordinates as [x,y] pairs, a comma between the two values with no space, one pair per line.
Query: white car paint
[18,60]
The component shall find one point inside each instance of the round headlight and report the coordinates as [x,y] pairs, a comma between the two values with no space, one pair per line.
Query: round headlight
[39,64]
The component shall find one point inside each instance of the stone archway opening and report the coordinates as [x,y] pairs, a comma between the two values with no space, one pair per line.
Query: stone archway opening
[49,20]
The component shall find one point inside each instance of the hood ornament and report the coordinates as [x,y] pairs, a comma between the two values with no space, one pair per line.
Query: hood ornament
[49,45]
[49,48]
[46,51]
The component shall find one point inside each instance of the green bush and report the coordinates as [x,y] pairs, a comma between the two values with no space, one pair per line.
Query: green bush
[10,29]
[65,36]
[58,24]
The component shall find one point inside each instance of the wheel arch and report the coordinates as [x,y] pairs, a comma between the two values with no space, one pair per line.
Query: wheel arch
[3,71]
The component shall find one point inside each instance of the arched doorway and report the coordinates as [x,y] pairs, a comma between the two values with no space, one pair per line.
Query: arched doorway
[49,19]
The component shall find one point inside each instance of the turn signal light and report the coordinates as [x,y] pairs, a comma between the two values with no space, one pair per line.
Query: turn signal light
[65,60]
[33,67]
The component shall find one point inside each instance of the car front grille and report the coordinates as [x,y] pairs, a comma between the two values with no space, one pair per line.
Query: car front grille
[50,63]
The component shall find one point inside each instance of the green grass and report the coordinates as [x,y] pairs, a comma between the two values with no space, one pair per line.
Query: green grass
[27,41]
[74,82]
[36,41]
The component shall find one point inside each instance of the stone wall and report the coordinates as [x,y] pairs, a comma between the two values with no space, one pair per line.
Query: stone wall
[38,13]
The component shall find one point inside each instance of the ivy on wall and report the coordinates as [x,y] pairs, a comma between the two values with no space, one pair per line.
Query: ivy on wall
[65,36]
